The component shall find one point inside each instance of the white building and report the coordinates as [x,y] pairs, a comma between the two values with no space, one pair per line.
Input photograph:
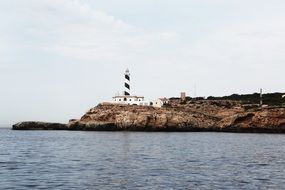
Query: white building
[130,100]
[160,102]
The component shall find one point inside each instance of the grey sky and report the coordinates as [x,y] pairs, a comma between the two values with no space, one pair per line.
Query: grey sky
[58,58]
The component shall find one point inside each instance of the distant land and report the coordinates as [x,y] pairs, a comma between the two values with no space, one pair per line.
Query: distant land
[235,113]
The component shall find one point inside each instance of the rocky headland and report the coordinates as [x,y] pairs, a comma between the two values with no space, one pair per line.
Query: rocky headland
[204,115]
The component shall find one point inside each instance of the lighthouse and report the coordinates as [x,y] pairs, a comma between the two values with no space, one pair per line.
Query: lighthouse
[127,98]
[127,91]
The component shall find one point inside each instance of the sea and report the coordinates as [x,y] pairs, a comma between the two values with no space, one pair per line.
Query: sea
[138,160]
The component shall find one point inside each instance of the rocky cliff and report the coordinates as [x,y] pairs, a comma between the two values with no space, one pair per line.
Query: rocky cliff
[227,116]
[198,116]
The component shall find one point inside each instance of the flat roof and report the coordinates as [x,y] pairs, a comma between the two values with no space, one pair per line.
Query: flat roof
[128,97]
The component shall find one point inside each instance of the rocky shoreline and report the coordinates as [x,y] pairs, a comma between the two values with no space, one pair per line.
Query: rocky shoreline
[198,116]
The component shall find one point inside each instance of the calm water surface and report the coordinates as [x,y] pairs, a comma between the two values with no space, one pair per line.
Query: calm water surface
[129,160]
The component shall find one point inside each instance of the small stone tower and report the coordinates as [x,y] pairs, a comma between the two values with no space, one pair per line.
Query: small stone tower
[183,96]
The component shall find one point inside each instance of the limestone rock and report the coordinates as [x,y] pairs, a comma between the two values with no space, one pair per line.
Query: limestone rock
[34,125]
[224,116]
[199,116]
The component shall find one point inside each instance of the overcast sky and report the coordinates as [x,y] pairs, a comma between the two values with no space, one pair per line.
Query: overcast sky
[58,58]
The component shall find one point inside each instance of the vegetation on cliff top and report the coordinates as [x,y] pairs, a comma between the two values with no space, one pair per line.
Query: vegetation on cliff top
[271,99]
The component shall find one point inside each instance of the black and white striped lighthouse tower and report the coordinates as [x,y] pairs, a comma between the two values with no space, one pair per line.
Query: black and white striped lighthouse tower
[127,91]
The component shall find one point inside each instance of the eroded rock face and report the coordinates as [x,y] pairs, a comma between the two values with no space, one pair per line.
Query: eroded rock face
[140,118]
[265,120]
